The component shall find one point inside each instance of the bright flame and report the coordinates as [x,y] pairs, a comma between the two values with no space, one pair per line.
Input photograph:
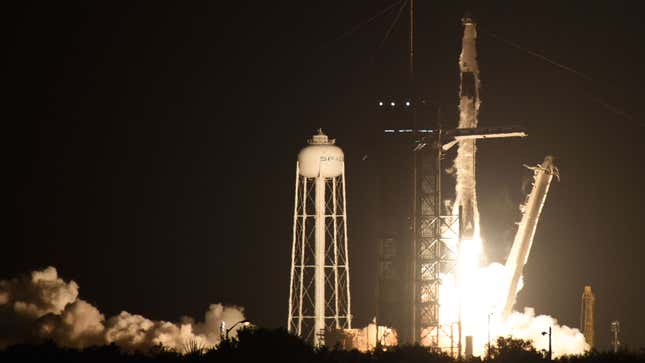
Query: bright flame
[365,339]
[475,291]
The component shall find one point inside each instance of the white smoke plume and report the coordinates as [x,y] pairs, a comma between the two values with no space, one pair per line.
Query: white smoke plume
[365,339]
[79,325]
[44,306]
[41,294]
[526,325]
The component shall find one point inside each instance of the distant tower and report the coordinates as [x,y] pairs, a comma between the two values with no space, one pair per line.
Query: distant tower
[586,315]
[319,295]
[615,333]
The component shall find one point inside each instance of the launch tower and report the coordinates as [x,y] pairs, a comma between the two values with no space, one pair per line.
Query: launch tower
[434,228]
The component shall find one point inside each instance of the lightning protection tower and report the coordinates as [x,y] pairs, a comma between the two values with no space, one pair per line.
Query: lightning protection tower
[615,336]
[319,295]
[586,315]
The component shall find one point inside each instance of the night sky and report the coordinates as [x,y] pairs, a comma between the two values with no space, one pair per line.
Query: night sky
[151,148]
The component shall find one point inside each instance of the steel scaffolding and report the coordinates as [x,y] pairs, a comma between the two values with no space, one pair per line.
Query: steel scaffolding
[313,261]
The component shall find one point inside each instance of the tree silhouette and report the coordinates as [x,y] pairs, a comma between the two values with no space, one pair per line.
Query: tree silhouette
[265,345]
[514,350]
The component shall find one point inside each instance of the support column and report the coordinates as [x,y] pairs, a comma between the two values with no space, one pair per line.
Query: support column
[335,241]
[319,273]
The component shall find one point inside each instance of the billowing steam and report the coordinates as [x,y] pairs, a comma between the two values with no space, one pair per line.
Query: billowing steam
[372,336]
[526,325]
[43,306]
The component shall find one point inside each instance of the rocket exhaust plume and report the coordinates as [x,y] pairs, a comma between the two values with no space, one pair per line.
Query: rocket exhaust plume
[43,306]
[483,294]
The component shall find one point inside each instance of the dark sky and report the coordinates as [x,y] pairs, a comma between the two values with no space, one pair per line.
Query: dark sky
[152,148]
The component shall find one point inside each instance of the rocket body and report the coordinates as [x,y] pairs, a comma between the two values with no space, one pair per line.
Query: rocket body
[466,196]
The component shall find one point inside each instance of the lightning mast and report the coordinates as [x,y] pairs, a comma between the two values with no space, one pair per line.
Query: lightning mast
[615,336]
[586,315]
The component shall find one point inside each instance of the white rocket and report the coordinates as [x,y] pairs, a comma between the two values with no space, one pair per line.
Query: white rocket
[464,163]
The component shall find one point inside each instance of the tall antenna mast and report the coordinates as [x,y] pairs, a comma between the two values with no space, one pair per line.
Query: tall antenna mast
[414,331]
[411,45]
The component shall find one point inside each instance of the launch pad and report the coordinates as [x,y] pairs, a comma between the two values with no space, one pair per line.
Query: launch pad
[431,285]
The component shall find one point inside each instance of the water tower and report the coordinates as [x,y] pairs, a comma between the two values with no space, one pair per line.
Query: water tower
[319,295]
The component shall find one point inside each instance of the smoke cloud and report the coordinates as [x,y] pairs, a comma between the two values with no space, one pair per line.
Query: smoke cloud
[367,337]
[42,306]
[526,325]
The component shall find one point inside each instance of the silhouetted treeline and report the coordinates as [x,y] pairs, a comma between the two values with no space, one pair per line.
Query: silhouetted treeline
[261,345]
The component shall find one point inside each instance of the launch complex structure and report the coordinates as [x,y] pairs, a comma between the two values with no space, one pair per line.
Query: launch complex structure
[442,237]
[437,232]
[319,297]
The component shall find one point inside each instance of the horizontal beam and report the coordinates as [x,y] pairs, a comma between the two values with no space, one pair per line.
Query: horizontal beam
[491,136]
[456,135]
[452,143]
[482,133]
[485,131]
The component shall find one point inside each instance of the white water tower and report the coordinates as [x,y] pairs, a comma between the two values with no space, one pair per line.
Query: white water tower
[319,295]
